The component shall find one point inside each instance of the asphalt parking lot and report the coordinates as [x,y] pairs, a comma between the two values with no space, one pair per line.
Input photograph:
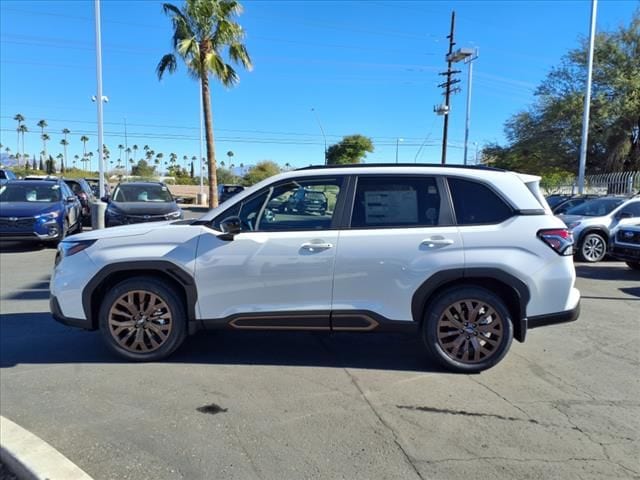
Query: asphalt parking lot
[238,405]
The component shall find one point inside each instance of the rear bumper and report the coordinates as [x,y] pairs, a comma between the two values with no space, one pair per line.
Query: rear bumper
[56,312]
[554,318]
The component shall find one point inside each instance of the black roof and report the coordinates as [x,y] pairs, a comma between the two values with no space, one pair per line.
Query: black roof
[370,165]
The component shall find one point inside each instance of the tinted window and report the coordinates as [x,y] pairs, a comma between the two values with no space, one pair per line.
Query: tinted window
[142,193]
[596,208]
[632,208]
[475,203]
[396,201]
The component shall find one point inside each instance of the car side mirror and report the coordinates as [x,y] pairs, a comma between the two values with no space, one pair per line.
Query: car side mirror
[230,227]
[71,199]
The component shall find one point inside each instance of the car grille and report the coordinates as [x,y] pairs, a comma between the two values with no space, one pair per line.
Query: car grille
[628,236]
[626,252]
[17,223]
[146,218]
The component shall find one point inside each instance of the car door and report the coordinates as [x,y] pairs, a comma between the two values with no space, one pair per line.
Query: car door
[400,233]
[70,207]
[277,272]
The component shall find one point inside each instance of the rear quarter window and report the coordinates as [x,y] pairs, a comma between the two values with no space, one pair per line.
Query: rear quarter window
[476,204]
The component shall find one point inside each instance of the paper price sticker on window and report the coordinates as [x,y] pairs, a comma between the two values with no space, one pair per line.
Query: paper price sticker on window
[391,206]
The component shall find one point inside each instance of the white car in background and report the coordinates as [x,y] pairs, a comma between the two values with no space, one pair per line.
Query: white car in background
[465,258]
[625,242]
[591,222]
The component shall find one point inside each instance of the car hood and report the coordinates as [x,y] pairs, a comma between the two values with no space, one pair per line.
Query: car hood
[123,231]
[145,208]
[26,209]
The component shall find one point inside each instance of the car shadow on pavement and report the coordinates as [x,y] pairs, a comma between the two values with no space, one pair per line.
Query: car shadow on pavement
[607,271]
[21,247]
[35,338]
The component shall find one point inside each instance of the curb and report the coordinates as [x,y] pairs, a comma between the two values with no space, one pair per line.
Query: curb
[31,458]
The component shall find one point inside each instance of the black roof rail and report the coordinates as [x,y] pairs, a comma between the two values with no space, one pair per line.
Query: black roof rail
[368,165]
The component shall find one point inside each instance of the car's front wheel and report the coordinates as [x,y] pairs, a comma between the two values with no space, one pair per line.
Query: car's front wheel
[467,329]
[593,248]
[143,319]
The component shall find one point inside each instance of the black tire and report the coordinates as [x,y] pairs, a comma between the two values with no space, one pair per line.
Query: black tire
[634,265]
[592,248]
[494,329]
[174,307]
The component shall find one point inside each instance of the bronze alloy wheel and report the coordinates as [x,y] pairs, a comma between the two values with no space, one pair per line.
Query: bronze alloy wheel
[470,331]
[140,321]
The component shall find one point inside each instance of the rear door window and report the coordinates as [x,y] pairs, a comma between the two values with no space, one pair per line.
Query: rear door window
[476,204]
[396,201]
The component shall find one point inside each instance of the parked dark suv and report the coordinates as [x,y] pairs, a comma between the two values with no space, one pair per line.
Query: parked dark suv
[307,201]
[139,202]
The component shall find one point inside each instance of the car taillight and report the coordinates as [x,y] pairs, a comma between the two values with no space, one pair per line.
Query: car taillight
[559,239]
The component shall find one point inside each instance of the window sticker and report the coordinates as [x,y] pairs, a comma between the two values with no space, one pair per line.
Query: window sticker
[389,206]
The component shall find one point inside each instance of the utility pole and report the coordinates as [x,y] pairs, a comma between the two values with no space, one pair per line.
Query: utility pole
[444,110]
[99,100]
[587,100]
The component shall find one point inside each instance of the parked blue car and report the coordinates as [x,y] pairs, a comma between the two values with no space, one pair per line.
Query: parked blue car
[40,210]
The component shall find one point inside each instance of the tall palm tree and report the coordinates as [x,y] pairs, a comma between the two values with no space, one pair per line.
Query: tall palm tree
[75,160]
[42,124]
[89,159]
[84,139]
[202,31]
[127,156]
[121,148]
[64,144]
[173,158]
[20,119]
[135,149]
[22,129]
[45,138]
[60,157]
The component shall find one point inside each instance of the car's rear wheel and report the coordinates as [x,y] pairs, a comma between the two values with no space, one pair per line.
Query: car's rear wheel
[593,248]
[143,319]
[467,329]
[634,265]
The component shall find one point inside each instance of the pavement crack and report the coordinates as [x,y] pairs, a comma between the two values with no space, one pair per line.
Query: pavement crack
[502,397]
[468,414]
[385,424]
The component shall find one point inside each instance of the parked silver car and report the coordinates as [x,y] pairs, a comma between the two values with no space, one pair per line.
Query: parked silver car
[591,224]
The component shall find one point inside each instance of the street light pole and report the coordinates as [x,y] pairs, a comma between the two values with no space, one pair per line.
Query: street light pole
[398,140]
[587,100]
[99,99]
[323,135]
[201,139]
[469,62]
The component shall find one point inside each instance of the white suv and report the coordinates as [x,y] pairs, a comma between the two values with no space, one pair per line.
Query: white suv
[467,258]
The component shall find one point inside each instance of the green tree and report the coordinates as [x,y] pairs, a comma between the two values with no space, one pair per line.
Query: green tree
[202,31]
[547,136]
[351,149]
[261,171]
[226,177]
[143,169]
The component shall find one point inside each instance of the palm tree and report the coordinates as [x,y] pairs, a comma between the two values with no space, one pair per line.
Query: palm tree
[45,138]
[222,163]
[127,155]
[121,148]
[202,30]
[75,160]
[135,149]
[173,158]
[42,124]
[19,118]
[89,159]
[22,129]
[60,157]
[64,144]
[84,139]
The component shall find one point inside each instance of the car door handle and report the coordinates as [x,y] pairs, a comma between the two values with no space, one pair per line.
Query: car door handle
[434,242]
[314,247]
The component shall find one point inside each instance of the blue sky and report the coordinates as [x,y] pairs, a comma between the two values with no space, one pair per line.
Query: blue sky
[367,67]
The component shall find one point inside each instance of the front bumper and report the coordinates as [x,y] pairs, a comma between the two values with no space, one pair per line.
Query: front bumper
[629,254]
[56,312]
[554,318]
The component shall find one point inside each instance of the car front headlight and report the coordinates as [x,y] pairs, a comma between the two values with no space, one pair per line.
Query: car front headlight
[174,215]
[572,225]
[69,247]
[48,216]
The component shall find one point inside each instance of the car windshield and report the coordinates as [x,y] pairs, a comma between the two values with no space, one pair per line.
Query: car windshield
[596,208]
[16,192]
[142,193]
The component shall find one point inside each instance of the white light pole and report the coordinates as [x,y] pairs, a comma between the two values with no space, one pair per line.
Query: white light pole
[398,140]
[201,139]
[587,100]
[99,98]
[469,62]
